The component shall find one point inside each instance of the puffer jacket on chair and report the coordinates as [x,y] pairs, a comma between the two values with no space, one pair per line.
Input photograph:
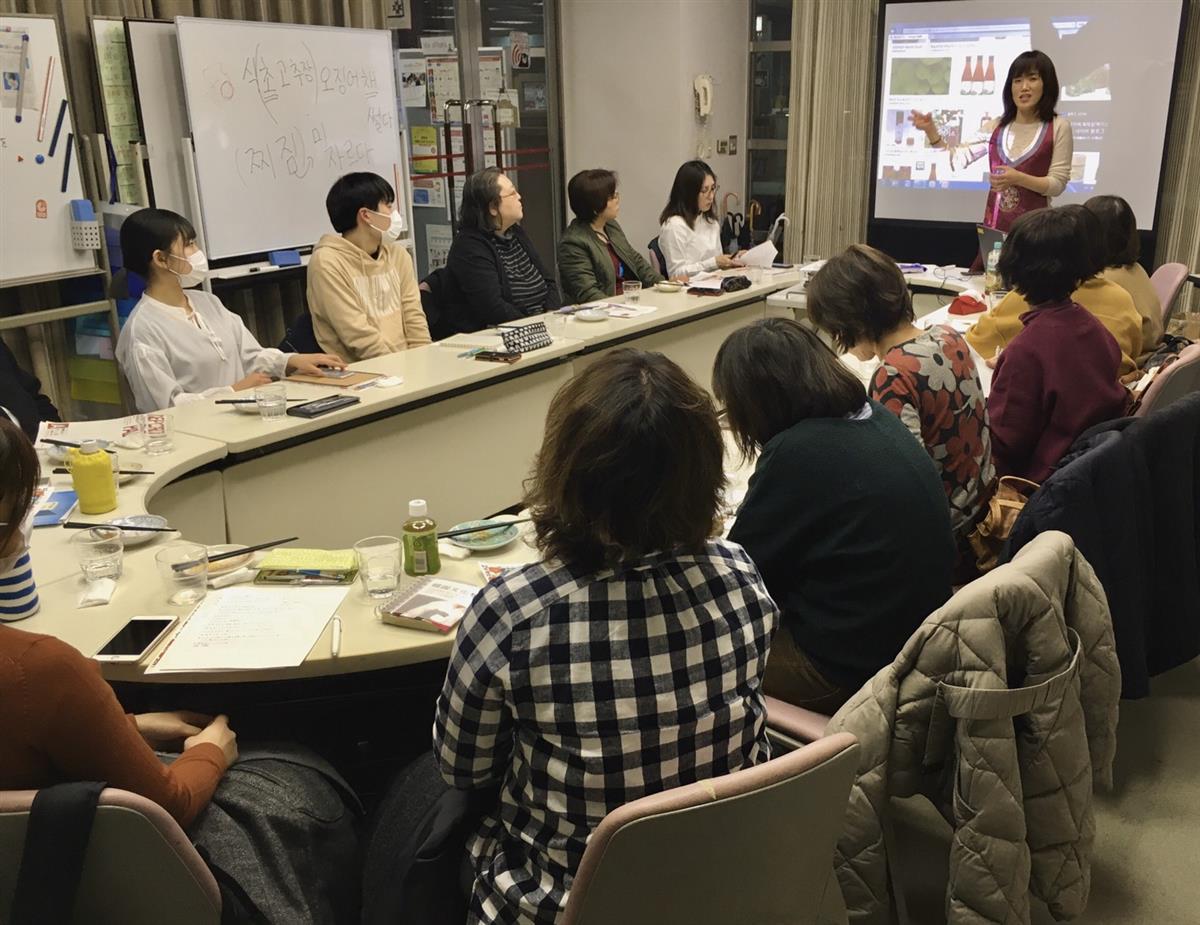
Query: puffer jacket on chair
[1002,709]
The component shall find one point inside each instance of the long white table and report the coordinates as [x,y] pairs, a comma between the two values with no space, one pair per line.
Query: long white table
[459,432]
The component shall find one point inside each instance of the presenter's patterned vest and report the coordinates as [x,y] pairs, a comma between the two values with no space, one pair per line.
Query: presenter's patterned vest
[1005,207]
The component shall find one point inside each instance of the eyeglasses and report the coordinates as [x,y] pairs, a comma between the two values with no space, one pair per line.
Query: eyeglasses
[709,190]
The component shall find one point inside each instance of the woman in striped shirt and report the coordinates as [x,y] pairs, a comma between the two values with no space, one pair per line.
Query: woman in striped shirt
[18,593]
[493,273]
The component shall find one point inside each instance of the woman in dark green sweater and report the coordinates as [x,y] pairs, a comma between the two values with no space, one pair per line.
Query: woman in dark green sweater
[594,256]
[845,515]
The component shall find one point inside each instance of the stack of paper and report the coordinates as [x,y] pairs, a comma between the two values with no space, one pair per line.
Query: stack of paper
[250,628]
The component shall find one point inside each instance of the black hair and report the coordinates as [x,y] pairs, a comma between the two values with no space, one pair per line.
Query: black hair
[19,463]
[1032,62]
[589,191]
[481,191]
[685,193]
[354,191]
[1046,255]
[1122,246]
[150,230]
[774,373]
[859,295]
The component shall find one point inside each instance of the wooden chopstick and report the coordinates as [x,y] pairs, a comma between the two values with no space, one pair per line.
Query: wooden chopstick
[60,470]
[234,553]
[488,525]
[79,525]
[249,401]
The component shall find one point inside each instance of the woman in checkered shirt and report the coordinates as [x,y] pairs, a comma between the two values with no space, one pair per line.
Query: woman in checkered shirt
[628,661]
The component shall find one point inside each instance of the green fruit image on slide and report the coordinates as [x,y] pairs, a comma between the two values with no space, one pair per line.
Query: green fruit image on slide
[918,76]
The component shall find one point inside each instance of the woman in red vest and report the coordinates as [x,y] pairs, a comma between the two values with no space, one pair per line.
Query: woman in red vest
[1029,148]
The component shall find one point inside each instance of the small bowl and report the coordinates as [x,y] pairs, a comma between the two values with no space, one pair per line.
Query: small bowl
[227,565]
[248,408]
[591,314]
[492,534]
[138,537]
[667,286]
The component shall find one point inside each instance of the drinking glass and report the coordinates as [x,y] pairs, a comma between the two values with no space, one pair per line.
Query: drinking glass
[378,565]
[184,570]
[157,428]
[631,291]
[272,401]
[100,551]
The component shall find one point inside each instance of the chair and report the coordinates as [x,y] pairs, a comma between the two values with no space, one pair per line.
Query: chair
[1167,281]
[1173,380]
[139,868]
[656,256]
[752,846]
[300,336]
[794,725]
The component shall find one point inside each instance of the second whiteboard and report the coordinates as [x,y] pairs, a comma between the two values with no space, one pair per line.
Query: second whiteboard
[278,113]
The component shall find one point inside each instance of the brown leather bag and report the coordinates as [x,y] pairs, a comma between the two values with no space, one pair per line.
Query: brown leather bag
[992,532]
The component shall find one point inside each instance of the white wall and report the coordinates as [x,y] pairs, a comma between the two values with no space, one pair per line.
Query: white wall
[628,67]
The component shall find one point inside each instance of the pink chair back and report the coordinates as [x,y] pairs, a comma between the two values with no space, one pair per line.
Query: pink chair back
[1174,380]
[140,867]
[1167,281]
[752,846]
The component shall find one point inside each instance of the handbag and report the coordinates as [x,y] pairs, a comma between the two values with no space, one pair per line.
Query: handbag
[1003,508]
[735,283]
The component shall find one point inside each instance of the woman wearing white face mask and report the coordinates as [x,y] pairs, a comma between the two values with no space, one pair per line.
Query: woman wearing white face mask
[362,287]
[182,346]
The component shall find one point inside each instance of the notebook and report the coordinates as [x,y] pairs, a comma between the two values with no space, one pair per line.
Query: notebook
[52,508]
[436,605]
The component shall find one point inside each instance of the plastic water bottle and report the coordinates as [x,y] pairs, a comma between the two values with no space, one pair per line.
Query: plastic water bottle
[991,273]
[419,536]
[92,478]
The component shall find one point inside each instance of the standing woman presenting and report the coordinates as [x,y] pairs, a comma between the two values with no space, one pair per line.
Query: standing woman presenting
[1029,147]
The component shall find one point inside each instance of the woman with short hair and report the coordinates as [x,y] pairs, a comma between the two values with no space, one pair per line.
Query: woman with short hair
[629,661]
[1122,247]
[493,273]
[926,377]
[594,257]
[845,515]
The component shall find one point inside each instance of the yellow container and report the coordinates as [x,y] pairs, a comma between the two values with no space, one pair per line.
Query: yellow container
[92,477]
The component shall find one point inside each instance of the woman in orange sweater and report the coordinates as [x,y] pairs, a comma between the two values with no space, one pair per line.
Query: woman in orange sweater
[60,721]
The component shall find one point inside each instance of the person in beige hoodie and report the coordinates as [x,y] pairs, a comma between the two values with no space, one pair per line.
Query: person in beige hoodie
[362,286]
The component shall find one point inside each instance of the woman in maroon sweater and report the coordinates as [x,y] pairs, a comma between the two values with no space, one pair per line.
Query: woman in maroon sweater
[1059,375]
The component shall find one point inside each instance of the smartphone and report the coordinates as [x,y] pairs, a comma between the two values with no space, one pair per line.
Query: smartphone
[135,639]
[337,373]
[497,356]
[319,406]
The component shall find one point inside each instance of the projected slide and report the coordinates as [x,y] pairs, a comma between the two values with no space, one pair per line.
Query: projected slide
[1114,60]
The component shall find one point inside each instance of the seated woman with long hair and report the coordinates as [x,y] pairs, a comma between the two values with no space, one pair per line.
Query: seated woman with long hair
[629,661]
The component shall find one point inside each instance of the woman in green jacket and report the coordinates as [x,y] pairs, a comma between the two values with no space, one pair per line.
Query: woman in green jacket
[595,257]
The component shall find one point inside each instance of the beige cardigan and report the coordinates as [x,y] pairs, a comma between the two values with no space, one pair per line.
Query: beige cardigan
[1133,279]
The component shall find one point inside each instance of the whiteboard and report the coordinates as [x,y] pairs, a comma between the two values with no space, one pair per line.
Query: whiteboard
[278,113]
[35,211]
[162,110]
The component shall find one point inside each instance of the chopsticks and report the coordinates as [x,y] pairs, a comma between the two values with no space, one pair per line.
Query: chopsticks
[488,525]
[68,443]
[60,470]
[249,401]
[79,525]
[234,553]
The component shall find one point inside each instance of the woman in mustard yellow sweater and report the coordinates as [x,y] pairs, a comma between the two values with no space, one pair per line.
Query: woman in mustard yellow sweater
[1112,305]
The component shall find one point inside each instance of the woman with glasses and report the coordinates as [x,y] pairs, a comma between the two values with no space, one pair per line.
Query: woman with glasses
[595,258]
[690,236]
[493,274]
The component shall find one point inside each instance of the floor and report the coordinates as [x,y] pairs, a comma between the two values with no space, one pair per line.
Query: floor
[1146,864]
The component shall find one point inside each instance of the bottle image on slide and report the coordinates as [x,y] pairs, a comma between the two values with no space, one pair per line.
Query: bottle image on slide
[967,89]
[989,76]
[899,136]
[977,79]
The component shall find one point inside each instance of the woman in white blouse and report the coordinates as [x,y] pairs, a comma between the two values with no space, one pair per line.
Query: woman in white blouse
[1029,148]
[182,346]
[690,236]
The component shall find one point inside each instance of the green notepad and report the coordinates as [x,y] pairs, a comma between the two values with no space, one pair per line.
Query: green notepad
[325,560]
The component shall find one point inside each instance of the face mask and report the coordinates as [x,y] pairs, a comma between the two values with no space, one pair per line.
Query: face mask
[198,272]
[7,562]
[395,226]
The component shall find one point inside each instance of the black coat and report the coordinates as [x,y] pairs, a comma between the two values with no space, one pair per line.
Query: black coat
[476,293]
[1129,497]
[20,393]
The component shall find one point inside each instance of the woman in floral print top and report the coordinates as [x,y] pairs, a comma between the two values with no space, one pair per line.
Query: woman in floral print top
[927,378]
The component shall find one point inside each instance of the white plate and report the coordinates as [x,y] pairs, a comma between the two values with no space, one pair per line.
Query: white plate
[251,408]
[129,472]
[493,534]
[668,287]
[591,314]
[227,565]
[136,537]
[58,454]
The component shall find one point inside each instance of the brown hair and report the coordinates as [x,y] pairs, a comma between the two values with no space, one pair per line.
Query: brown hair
[859,295]
[589,192]
[631,463]
[773,374]
[19,467]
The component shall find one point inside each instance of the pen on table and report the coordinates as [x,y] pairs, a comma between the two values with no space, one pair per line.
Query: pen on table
[335,644]
[471,352]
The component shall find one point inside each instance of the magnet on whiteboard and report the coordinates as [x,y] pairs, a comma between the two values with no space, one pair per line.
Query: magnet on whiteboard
[39,209]
[41,158]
